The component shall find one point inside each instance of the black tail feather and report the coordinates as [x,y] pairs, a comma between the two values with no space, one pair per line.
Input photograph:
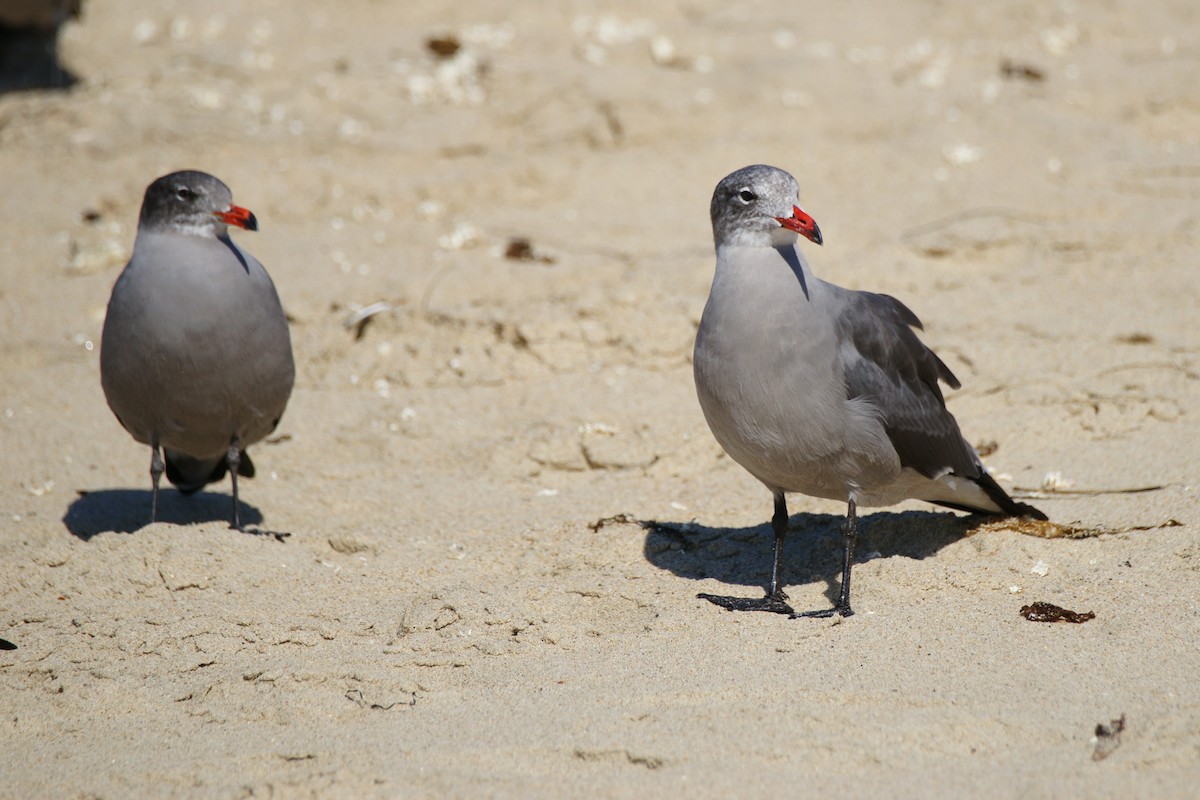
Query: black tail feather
[1008,506]
[190,475]
[1000,497]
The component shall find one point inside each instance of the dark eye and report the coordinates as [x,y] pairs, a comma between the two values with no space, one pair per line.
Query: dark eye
[185,194]
[747,196]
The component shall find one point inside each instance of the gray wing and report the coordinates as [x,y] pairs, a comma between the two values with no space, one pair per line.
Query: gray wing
[886,363]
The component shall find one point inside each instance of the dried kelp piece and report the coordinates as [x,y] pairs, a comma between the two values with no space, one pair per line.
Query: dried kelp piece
[520,249]
[446,46]
[986,448]
[1048,612]
[1108,738]
[1134,338]
[1021,70]
[1044,529]
[616,519]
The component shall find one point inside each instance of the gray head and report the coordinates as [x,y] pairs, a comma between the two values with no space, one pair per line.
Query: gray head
[192,202]
[756,207]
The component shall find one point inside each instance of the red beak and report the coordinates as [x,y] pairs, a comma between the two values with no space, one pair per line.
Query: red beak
[236,215]
[803,224]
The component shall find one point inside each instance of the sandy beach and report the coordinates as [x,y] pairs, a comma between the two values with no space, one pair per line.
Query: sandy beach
[501,494]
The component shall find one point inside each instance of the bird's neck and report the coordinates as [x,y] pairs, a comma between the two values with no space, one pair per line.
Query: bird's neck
[764,269]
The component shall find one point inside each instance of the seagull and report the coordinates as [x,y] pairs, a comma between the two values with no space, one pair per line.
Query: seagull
[195,357]
[818,389]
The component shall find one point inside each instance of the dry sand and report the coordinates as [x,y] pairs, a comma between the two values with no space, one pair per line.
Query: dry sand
[448,617]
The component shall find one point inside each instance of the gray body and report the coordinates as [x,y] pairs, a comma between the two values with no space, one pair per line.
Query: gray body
[774,361]
[818,389]
[196,355]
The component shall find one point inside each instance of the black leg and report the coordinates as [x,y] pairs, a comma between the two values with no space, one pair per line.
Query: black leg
[779,524]
[156,471]
[776,600]
[238,463]
[232,460]
[850,537]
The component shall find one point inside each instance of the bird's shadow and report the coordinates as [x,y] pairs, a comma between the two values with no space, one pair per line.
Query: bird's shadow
[812,550]
[128,510]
